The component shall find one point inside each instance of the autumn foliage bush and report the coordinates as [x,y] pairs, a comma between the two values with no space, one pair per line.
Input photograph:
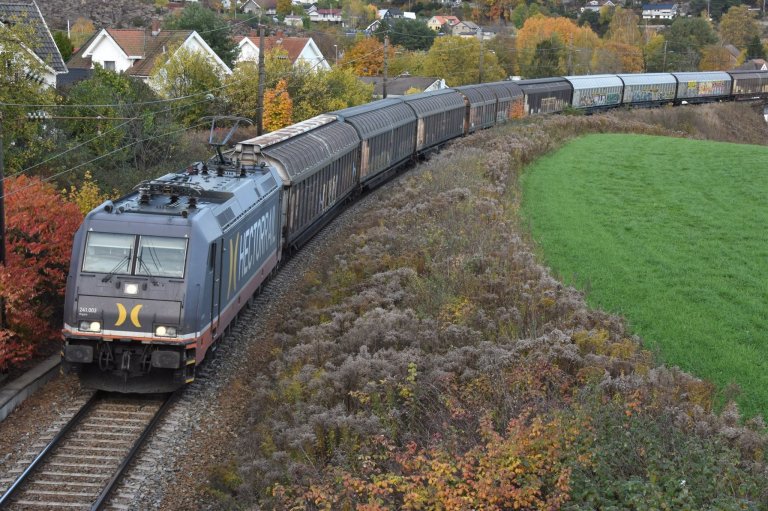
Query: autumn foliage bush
[431,363]
[39,229]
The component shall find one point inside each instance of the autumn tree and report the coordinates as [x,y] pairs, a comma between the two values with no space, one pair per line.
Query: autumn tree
[573,47]
[239,87]
[283,8]
[32,282]
[456,60]
[738,26]
[615,57]
[366,57]
[503,45]
[714,58]
[24,141]
[186,74]
[82,29]
[278,107]
[624,27]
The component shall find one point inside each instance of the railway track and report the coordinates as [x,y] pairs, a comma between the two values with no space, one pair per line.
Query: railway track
[81,465]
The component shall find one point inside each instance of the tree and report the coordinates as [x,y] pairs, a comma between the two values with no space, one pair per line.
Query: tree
[574,46]
[504,47]
[654,54]
[24,141]
[410,34]
[624,28]
[615,57]
[755,48]
[366,57]
[239,89]
[278,107]
[187,74]
[81,30]
[38,247]
[714,58]
[456,60]
[63,44]
[686,37]
[89,138]
[548,59]
[212,28]
[738,26]
[283,8]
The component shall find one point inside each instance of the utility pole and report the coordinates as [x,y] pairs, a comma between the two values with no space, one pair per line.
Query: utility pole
[262,77]
[2,221]
[664,66]
[384,83]
[570,55]
[480,64]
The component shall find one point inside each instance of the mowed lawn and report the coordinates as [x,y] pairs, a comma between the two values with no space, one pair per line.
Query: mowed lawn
[673,235]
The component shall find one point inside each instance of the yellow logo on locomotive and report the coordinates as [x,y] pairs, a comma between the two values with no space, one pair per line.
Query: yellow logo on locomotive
[122,314]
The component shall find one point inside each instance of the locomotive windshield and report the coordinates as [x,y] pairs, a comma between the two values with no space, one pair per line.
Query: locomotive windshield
[128,254]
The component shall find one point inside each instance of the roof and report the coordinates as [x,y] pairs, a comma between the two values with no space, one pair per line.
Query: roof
[451,20]
[657,7]
[754,64]
[398,86]
[293,45]
[136,43]
[28,9]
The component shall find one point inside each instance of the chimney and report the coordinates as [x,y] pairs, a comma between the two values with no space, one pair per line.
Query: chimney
[155,26]
[279,36]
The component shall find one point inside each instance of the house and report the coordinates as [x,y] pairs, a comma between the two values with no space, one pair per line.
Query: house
[659,11]
[465,29]
[755,65]
[437,23]
[259,7]
[595,5]
[136,51]
[301,50]
[391,13]
[399,85]
[327,15]
[294,21]
[46,52]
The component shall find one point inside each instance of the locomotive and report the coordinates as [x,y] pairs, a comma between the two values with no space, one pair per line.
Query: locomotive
[157,276]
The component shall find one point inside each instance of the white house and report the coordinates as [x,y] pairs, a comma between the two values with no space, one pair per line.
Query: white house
[46,52]
[135,51]
[659,11]
[595,5]
[301,50]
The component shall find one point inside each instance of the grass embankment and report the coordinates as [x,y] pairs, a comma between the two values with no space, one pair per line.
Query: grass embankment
[671,234]
[430,362]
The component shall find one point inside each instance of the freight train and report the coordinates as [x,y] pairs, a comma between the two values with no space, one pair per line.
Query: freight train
[157,276]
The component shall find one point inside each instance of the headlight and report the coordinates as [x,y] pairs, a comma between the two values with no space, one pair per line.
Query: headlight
[131,288]
[165,331]
[90,326]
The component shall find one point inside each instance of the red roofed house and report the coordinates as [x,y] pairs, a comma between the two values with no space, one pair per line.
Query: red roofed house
[135,51]
[301,50]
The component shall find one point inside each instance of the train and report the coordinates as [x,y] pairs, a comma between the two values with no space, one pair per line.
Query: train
[159,275]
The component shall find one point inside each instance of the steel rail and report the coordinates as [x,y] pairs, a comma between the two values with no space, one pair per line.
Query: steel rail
[48,448]
[107,491]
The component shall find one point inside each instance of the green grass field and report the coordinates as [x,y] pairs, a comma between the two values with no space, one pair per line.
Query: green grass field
[673,235]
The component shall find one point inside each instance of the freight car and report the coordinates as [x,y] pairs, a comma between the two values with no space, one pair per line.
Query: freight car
[157,276]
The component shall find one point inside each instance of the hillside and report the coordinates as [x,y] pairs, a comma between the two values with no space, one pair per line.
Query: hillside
[125,13]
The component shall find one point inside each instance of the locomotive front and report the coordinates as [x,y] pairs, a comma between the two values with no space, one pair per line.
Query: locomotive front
[123,311]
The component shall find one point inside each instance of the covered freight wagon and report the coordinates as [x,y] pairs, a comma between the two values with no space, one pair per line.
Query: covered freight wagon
[387,129]
[509,97]
[596,92]
[440,117]
[481,107]
[748,84]
[545,95]
[700,87]
[317,161]
[648,89]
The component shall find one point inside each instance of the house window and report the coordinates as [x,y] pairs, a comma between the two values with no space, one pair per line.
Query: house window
[109,65]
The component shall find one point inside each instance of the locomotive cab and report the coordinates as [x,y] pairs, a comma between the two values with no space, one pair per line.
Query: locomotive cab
[158,275]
